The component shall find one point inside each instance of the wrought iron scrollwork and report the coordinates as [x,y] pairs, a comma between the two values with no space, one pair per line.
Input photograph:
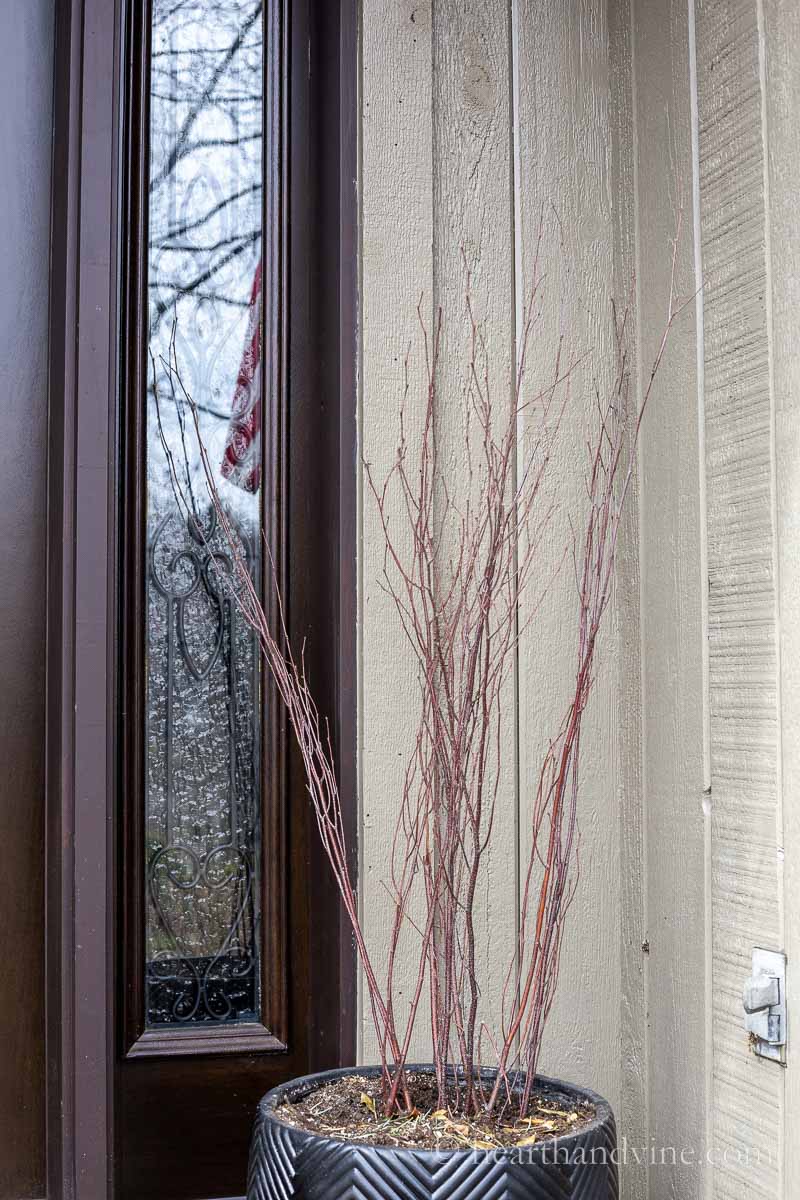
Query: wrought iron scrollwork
[202,815]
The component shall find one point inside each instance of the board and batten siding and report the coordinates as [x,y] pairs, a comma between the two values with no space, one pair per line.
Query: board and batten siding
[616,115]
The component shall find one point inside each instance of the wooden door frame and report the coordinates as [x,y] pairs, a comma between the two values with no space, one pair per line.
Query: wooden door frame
[82,701]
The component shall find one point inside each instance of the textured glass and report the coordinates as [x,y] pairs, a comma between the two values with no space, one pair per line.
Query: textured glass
[203,674]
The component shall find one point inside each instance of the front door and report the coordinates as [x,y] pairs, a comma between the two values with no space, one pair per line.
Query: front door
[206,958]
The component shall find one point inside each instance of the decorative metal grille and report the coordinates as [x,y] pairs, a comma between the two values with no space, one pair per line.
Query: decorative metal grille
[202,805]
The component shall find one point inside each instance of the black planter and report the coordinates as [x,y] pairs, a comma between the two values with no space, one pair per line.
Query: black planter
[291,1164]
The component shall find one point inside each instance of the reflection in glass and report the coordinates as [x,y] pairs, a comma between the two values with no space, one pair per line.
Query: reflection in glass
[203,681]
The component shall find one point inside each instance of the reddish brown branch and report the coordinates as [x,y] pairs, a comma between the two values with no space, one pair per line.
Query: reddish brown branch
[459,558]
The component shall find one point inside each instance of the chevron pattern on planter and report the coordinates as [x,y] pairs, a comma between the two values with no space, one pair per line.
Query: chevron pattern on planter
[598,1146]
[287,1163]
[271,1170]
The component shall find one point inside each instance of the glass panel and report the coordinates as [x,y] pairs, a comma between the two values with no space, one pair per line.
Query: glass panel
[203,677]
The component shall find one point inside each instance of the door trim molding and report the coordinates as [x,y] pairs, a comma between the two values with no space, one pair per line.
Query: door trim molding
[83,387]
[80,685]
[271,1034]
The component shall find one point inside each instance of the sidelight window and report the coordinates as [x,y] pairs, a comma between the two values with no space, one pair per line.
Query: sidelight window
[203,689]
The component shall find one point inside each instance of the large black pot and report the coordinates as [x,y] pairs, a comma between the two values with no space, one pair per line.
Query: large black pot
[291,1164]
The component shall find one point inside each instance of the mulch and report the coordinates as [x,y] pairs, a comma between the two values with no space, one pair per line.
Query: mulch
[349,1108]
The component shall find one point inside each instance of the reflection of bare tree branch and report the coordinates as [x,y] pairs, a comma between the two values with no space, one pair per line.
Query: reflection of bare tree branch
[203,408]
[220,99]
[187,226]
[215,143]
[206,107]
[211,248]
[205,217]
[163,307]
[174,156]
[163,15]
[216,297]
[192,52]
[178,402]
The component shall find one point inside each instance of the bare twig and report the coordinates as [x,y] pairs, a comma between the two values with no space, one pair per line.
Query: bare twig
[457,565]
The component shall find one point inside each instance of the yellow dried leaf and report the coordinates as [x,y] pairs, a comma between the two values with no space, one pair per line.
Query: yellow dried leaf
[368,1102]
[528,1141]
[482,1145]
[439,1115]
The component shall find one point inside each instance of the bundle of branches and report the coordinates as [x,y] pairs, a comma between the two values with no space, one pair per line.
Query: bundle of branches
[457,568]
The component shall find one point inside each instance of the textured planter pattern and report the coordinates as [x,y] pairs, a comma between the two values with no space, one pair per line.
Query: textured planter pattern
[290,1164]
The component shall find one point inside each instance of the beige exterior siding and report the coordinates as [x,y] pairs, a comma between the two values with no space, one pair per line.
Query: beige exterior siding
[671,569]
[397,268]
[746,892]
[563,132]
[781,112]
[476,115]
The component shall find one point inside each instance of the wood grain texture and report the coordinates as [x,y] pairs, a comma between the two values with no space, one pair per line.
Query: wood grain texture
[617,123]
[781,28]
[565,172]
[671,569]
[473,231]
[444,93]
[746,882]
[436,171]
[26,132]
[633,1111]
[397,268]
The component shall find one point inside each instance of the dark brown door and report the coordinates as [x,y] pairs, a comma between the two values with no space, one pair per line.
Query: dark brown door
[228,278]
[26,42]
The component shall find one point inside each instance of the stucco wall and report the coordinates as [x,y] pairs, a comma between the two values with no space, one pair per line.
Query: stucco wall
[619,115]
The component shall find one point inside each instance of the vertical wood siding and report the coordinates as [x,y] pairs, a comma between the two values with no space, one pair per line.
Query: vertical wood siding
[626,685]
[563,131]
[473,231]
[476,117]
[397,268]
[781,32]
[747,1095]
[671,589]
[616,114]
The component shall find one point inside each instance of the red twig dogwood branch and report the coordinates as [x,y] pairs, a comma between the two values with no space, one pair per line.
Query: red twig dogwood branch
[466,566]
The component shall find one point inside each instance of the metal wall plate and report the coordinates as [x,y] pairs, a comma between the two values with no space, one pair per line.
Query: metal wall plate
[764,1000]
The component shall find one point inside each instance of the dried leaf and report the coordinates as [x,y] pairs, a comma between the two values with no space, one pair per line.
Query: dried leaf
[440,1115]
[528,1141]
[482,1145]
[368,1102]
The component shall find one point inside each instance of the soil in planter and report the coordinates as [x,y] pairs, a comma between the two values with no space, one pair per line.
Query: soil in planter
[350,1108]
